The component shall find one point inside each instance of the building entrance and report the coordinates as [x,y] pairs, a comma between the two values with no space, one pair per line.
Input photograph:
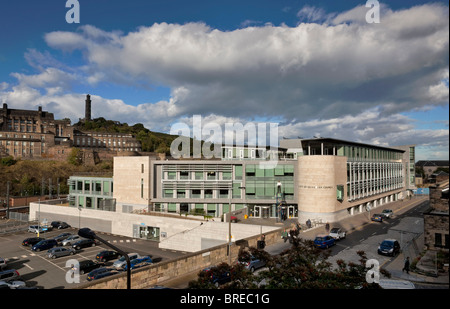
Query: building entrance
[146,232]
[261,212]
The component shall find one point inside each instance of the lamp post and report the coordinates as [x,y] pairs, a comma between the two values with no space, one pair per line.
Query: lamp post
[278,204]
[89,234]
[230,194]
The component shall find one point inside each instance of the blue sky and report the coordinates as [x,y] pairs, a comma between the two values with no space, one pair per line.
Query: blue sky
[314,67]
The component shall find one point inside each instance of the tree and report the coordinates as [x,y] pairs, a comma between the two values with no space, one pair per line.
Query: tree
[74,157]
[8,161]
[303,266]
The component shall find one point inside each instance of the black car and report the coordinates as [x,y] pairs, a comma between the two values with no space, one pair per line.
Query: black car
[59,225]
[107,255]
[84,243]
[101,273]
[389,247]
[31,241]
[61,237]
[86,266]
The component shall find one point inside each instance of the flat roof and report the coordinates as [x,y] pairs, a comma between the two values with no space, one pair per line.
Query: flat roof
[340,141]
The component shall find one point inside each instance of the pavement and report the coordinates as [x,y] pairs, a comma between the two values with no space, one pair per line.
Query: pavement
[350,224]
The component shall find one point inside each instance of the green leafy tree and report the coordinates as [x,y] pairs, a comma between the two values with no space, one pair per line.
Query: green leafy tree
[303,266]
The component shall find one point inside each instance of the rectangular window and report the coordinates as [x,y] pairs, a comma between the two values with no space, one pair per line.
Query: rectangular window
[168,193]
[196,193]
[238,172]
[172,207]
[87,185]
[181,193]
[98,186]
[226,175]
[106,187]
[438,240]
[184,175]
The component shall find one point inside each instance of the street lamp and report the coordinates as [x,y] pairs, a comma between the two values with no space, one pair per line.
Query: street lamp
[278,206]
[89,234]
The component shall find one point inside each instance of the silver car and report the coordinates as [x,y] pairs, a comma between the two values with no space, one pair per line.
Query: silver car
[120,263]
[337,233]
[53,253]
[13,284]
[69,241]
[2,263]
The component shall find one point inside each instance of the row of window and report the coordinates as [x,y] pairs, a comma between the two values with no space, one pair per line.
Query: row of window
[91,186]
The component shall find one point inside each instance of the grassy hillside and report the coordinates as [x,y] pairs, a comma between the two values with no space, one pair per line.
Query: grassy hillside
[151,141]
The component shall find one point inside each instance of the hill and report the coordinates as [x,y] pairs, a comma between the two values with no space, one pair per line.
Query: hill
[26,176]
[150,141]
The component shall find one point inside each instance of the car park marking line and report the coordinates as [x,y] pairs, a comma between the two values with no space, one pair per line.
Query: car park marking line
[28,266]
[45,259]
[373,233]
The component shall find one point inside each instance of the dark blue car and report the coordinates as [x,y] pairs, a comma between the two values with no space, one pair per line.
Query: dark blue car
[45,245]
[101,273]
[324,241]
[139,262]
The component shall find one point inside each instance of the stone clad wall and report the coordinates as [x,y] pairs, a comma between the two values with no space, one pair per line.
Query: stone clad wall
[160,272]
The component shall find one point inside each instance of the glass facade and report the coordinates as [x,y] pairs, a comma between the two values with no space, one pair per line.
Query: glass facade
[91,193]
[208,188]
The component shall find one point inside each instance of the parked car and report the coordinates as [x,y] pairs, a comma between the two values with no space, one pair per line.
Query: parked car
[107,255]
[59,225]
[389,247]
[387,213]
[2,263]
[218,278]
[253,264]
[120,263]
[139,262]
[84,243]
[86,266]
[324,241]
[13,284]
[69,241]
[9,275]
[61,237]
[44,245]
[377,218]
[101,273]
[337,233]
[31,241]
[36,228]
[53,253]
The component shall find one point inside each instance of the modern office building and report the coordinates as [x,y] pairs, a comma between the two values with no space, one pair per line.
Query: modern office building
[323,179]
[91,193]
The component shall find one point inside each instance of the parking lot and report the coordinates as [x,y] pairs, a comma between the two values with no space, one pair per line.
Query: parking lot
[36,269]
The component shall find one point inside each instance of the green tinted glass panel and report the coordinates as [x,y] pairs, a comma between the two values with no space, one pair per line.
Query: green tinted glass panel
[238,171]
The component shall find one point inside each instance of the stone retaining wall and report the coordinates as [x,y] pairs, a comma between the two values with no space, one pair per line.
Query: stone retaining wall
[156,274]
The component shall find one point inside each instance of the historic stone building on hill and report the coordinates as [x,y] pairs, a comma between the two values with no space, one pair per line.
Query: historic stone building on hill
[31,134]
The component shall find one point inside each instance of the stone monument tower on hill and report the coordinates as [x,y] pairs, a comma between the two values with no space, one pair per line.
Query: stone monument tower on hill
[88,101]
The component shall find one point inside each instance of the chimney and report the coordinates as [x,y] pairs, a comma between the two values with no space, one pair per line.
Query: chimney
[88,108]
